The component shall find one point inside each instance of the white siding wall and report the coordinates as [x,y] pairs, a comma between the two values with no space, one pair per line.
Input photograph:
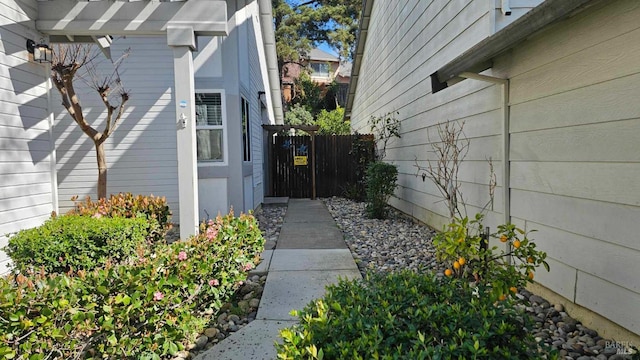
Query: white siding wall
[406,43]
[518,8]
[575,124]
[259,82]
[575,155]
[253,78]
[26,195]
[141,153]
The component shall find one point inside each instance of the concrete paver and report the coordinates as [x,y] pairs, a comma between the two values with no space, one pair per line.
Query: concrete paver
[310,236]
[265,258]
[289,290]
[310,254]
[254,341]
[307,260]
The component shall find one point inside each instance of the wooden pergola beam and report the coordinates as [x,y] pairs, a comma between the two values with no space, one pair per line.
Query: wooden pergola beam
[91,18]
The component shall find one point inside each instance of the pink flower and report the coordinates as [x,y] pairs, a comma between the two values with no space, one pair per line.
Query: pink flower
[157,296]
[211,233]
[97,216]
[214,282]
[182,256]
[247,267]
[240,283]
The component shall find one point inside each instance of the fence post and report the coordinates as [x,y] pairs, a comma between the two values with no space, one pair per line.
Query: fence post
[313,165]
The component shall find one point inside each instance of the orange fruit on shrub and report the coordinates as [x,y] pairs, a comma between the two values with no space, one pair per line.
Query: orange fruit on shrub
[516,244]
[504,238]
[513,289]
[530,275]
[448,272]
[462,261]
[502,297]
[530,260]
[456,265]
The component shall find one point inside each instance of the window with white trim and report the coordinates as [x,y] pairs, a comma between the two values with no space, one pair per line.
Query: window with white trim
[320,69]
[246,133]
[209,127]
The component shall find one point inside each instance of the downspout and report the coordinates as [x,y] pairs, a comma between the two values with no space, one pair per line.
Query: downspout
[269,40]
[506,117]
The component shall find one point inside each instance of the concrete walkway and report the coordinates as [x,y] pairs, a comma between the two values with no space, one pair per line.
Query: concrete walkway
[310,254]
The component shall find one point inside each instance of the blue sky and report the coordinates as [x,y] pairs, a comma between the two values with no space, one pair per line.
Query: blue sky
[327,48]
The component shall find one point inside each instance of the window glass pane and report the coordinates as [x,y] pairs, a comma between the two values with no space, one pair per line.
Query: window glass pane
[208,109]
[209,145]
[320,68]
[246,139]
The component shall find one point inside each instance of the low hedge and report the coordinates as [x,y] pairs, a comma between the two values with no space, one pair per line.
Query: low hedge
[149,308]
[127,205]
[75,242]
[408,316]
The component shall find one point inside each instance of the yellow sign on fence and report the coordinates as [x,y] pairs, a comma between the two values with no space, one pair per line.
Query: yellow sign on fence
[300,160]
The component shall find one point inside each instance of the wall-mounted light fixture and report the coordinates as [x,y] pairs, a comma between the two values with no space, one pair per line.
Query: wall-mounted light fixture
[260,93]
[41,52]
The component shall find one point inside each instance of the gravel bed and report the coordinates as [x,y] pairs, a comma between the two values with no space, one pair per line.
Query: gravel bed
[401,243]
[394,244]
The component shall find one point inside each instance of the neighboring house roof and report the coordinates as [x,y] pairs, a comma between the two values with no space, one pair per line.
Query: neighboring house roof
[319,55]
[479,57]
[345,69]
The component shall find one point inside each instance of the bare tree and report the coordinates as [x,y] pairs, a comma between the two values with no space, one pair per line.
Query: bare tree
[384,128]
[79,62]
[450,149]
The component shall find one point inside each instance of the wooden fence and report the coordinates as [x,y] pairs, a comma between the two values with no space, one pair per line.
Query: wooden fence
[339,164]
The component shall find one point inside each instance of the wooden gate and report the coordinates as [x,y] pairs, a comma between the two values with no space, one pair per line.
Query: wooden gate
[339,162]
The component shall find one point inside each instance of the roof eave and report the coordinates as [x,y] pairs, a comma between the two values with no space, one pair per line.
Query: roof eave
[480,57]
[365,17]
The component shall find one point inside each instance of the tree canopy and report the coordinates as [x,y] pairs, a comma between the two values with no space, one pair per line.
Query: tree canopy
[301,25]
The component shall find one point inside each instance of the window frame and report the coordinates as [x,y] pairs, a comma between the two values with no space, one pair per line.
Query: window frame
[245,119]
[320,74]
[223,127]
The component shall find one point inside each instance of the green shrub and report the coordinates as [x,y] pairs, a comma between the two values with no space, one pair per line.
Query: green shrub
[150,308]
[406,315]
[75,242]
[381,182]
[153,208]
[361,154]
[333,123]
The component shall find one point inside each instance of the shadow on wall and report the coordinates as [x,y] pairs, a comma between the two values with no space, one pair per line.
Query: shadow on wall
[141,153]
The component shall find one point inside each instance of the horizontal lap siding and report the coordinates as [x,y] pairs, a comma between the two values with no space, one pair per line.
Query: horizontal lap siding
[576,157]
[141,153]
[258,81]
[26,198]
[406,43]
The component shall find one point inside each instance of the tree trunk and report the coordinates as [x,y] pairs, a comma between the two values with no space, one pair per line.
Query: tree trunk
[102,170]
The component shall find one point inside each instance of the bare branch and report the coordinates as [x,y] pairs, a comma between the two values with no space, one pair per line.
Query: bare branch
[449,149]
[68,60]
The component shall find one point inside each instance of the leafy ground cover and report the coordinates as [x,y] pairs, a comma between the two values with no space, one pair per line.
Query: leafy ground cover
[148,306]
